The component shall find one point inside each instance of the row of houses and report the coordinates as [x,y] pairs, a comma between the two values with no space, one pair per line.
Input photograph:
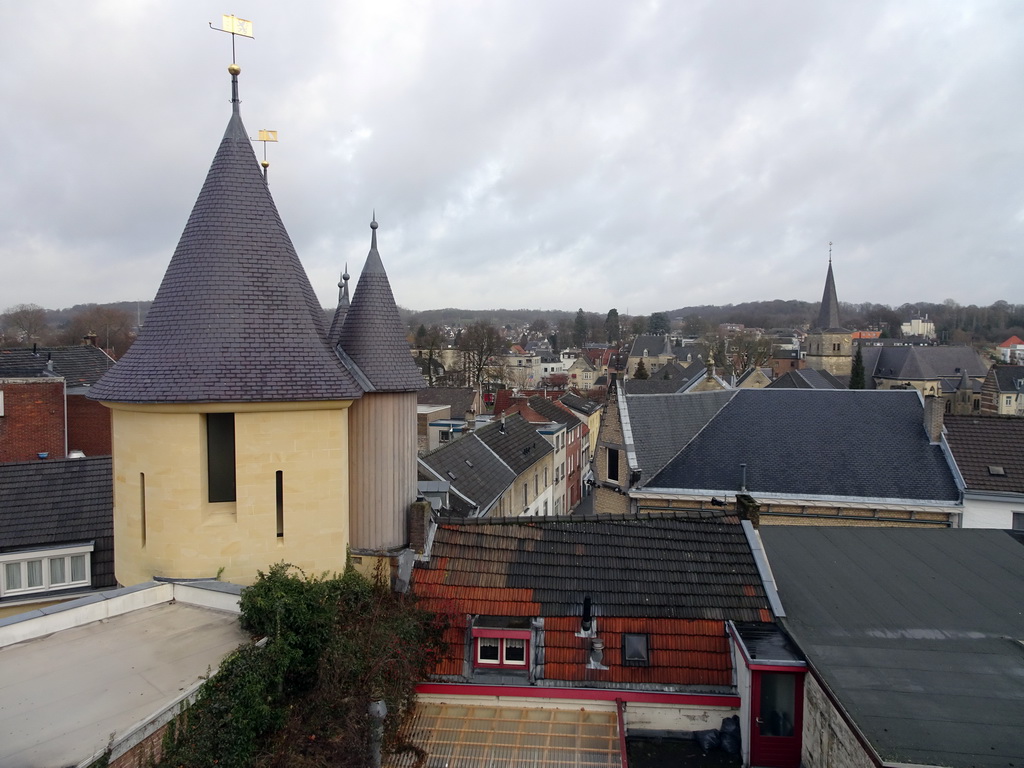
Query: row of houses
[793,563]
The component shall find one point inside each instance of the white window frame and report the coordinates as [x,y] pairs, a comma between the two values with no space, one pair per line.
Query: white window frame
[502,639]
[45,556]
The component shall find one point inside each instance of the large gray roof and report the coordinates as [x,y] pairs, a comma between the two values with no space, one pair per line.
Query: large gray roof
[235,318]
[854,444]
[1009,378]
[662,425]
[916,632]
[373,335]
[921,363]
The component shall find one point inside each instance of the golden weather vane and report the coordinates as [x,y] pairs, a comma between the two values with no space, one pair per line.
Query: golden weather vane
[265,136]
[234,26]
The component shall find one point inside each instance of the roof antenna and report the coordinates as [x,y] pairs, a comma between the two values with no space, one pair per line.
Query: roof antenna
[830,253]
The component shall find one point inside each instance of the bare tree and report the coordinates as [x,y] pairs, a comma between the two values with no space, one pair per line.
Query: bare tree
[479,344]
[26,321]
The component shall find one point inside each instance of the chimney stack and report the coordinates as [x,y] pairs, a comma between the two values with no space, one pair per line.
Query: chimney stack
[934,409]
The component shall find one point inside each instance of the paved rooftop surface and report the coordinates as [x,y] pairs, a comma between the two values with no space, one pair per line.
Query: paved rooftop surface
[61,696]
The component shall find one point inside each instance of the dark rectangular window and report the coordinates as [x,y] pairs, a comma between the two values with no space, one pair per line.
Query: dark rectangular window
[635,652]
[220,456]
[280,504]
[142,505]
[613,464]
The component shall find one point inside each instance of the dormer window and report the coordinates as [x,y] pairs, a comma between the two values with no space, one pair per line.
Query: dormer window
[501,642]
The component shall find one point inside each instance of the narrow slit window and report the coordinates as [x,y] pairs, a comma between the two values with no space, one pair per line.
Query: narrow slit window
[220,456]
[142,505]
[280,504]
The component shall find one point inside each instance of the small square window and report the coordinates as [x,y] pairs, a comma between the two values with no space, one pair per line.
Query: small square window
[635,651]
[1018,521]
[489,650]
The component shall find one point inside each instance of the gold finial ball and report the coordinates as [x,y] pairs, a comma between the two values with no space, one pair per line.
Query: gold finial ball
[234,69]
[265,164]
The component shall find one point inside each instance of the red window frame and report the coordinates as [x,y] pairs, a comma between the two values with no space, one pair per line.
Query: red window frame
[501,635]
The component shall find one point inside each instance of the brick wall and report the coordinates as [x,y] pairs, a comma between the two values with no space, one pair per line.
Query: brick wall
[88,426]
[33,420]
[828,741]
[144,754]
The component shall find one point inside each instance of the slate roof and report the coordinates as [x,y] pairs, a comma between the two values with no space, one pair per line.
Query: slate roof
[373,335]
[340,312]
[675,578]
[553,411]
[235,318]
[662,425]
[60,501]
[920,363]
[81,365]
[916,632]
[579,404]
[655,344]
[518,444]
[848,444]
[828,313]
[807,378]
[980,443]
[1009,378]
[473,470]
[459,398]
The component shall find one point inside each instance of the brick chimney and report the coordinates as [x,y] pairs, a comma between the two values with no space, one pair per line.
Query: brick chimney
[419,524]
[934,409]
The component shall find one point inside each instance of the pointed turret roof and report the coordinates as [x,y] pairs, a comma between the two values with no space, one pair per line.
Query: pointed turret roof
[373,337]
[334,335]
[828,316]
[235,318]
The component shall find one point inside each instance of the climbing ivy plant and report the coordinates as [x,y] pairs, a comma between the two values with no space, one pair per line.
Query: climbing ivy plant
[324,648]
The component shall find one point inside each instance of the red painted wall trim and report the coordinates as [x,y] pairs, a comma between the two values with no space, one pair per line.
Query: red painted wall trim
[593,694]
[518,634]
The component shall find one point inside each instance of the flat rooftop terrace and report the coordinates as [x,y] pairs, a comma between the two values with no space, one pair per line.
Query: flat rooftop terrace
[72,677]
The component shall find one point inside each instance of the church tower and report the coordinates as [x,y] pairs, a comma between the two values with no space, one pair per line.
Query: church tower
[231,411]
[829,345]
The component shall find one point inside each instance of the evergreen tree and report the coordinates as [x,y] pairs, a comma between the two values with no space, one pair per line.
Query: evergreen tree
[658,324]
[857,372]
[611,325]
[641,371]
[579,329]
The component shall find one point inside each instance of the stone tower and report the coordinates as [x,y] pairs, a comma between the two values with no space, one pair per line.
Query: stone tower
[829,345]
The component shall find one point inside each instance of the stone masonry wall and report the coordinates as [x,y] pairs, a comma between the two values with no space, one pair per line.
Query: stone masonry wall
[828,742]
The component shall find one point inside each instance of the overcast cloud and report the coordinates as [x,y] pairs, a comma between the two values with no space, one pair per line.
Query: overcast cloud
[544,154]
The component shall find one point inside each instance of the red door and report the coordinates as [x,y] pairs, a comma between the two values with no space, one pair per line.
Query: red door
[776,718]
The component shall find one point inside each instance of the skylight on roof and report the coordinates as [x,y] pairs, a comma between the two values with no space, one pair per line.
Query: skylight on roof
[450,474]
[994,470]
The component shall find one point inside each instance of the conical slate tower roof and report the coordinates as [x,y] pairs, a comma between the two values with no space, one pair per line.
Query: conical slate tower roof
[334,335]
[828,316]
[235,318]
[373,336]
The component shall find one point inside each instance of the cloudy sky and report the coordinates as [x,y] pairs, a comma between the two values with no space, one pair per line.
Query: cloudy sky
[548,154]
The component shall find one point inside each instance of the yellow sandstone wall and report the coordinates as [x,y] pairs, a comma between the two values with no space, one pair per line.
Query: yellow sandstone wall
[185,535]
